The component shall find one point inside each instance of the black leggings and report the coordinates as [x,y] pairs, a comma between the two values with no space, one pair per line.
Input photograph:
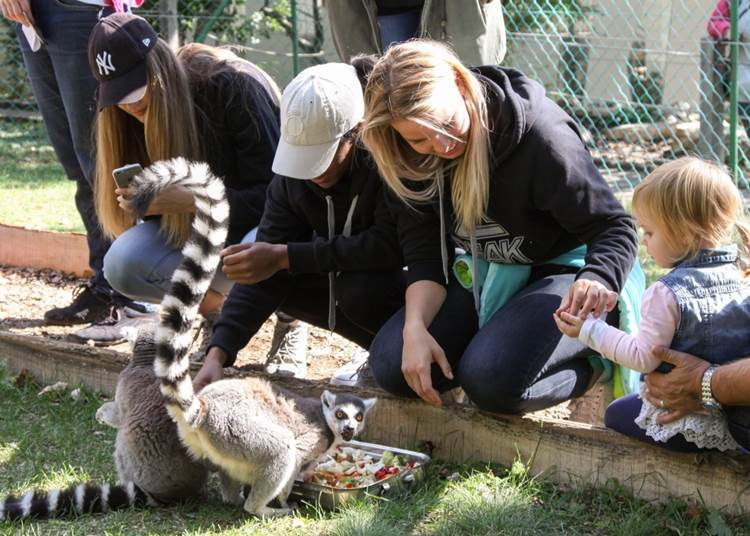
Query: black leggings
[518,362]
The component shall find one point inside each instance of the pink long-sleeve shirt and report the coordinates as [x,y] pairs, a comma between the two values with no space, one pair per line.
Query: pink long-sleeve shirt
[660,316]
[718,24]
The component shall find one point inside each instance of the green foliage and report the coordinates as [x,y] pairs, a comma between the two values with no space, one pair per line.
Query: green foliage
[542,16]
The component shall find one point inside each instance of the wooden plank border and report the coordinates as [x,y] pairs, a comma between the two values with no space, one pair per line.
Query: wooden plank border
[65,252]
[563,451]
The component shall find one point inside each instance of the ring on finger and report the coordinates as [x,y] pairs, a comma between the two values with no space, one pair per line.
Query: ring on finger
[661,403]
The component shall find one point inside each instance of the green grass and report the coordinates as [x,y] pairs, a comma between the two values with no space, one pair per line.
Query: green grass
[34,191]
[53,441]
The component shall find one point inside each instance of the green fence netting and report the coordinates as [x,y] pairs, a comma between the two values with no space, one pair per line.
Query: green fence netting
[641,76]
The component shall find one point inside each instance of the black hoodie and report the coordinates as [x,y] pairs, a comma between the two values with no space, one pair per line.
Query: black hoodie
[546,196]
[297,214]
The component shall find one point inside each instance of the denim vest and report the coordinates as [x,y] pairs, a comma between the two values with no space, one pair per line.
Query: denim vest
[714,304]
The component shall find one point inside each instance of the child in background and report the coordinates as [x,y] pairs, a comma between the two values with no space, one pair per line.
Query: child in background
[688,210]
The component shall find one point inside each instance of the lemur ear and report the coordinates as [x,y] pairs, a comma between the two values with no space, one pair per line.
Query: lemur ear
[369,403]
[328,399]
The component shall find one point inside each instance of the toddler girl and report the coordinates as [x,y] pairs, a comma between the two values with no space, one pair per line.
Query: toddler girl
[688,210]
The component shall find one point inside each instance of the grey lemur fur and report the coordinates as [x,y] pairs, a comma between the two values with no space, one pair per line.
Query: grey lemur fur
[258,433]
[255,432]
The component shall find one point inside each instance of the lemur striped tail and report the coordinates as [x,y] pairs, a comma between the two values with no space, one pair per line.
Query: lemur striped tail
[192,277]
[76,500]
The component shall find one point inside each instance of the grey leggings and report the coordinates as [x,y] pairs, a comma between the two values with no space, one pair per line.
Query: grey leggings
[140,263]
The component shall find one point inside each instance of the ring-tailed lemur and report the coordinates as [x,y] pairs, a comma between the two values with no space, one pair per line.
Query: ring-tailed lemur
[256,432]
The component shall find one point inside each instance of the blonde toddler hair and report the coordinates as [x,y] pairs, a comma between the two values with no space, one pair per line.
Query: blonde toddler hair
[407,83]
[692,202]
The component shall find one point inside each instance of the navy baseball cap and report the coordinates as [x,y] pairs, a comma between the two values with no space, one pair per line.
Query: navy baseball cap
[118,46]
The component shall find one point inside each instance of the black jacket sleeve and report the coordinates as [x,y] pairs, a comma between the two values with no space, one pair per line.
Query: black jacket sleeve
[418,230]
[568,185]
[253,129]
[248,306]
[374,248]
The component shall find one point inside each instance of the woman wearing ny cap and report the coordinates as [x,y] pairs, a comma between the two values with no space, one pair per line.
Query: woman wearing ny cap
[501,172]
[145,116]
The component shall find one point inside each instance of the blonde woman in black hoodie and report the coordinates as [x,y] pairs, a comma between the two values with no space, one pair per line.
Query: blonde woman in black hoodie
[489,164]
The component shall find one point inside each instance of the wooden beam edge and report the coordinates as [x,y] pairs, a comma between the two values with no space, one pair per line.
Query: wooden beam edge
[564,451]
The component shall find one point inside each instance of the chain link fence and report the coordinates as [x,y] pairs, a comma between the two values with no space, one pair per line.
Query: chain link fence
[641,76]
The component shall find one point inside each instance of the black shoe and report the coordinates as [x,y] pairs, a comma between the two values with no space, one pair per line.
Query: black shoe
[89,306]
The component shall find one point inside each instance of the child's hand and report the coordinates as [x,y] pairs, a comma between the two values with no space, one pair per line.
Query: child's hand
[569,324]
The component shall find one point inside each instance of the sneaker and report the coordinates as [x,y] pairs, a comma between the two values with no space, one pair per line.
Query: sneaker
[288,354]
[116,327]
[204,334]
[89,306]
[355,373]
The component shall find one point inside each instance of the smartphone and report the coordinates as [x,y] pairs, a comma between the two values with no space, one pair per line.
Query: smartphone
[123,175]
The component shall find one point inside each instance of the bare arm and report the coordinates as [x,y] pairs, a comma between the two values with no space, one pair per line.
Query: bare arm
[423,301]
[730,383]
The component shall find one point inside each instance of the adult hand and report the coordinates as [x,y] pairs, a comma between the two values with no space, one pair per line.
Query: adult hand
[251,263]
[212,369]
[172,200]
[567,323]
[17,10]
[586,296]
[680,388]
[420,351]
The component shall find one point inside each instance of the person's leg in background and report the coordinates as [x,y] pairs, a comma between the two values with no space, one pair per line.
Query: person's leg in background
[308,302]
[368,299]
[64,89]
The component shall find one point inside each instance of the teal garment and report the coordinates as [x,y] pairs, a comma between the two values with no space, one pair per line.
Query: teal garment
[498,283]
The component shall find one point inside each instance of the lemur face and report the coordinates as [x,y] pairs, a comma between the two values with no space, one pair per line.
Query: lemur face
[345,414]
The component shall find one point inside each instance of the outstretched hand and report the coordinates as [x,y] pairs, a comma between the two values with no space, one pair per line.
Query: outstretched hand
[586,296]
[251,263]
[569,324]
[212,369]
[680,388]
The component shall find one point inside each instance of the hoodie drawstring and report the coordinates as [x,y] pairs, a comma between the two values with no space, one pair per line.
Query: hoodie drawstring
[474,267]
[331,215]
[443,245]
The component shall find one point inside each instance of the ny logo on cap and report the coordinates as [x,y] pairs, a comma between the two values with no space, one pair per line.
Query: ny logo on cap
[104,63]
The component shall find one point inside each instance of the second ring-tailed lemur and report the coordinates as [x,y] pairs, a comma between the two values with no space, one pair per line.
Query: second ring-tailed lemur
[251,431]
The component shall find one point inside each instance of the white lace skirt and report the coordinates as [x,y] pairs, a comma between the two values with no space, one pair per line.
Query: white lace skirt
[708,430]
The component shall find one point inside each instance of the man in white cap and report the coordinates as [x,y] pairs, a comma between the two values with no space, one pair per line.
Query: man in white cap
[327,251]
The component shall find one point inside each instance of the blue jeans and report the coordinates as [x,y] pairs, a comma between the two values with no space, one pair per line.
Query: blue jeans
[64,89]
[518,362]
[140,263]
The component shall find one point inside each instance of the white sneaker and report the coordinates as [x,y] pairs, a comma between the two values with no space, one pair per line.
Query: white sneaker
[288,354]
[354,373]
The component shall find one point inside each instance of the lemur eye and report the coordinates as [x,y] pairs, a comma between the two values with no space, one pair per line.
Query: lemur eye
[340,415]
[358,417]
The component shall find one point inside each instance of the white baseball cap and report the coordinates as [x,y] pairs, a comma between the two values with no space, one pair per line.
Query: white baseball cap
[318,107]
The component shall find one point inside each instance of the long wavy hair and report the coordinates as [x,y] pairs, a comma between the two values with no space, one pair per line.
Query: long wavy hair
[406,83]
[169,130]
[692,201]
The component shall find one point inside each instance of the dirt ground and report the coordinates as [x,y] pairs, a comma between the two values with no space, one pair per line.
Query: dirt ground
[26,293]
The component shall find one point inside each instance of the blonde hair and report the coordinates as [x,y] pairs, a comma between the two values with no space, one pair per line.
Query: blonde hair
[406,83]
[692,202]
[169,130]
